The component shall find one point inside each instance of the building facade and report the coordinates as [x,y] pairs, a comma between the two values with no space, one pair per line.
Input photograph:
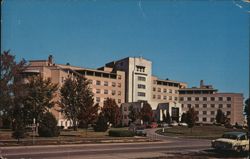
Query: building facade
[130,80]
[206,101]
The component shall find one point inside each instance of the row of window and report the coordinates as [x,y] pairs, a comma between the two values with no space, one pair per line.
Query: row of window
[165,97]
[105,91]
[205,99]
[105,83]
[165,90]
[206,105]
[141,78]
[212,112]
[141,94]
[141,86]
[140,68]
[98,100]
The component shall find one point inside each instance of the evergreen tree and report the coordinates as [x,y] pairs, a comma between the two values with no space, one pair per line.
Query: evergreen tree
[102,124]
[48,126]
[184,118]
[220,117]
[246,111]
[192,117]
[133,114]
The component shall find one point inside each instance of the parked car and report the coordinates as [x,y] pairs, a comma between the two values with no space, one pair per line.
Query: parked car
[183,124]
[235,141]
[140,132]
[153,125]
[174,123]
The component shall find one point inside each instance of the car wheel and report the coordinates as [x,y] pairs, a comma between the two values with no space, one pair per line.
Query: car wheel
[239,149]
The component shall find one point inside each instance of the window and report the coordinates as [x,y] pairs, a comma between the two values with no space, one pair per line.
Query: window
[212,106]
[176,92]
[106,91]
[189,105]
[140,78]
[197,98]
[140,68]
[159,89]
[165,90]
[113,84]
[154,89]
[119,101]
[98,91]
[243,137]
[119,77]
[176,98]
[220,98]
[220,105]
[189,98]
[228,98]
[98,99]
[153,96]
[142,86]
[113,92]
[196,105]
[204,105]
[106,83]
[170,97]
[62,79]
[170,91]
[119,93]
[159,96]
[181,98]
[204,119]
[212,112]
[98,82]
[142,94]
[119,84]
[212,99]
[165,97]
[228,113]
[229,105]
[204,98]
[204,112]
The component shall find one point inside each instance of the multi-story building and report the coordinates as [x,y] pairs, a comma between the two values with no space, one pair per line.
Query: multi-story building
[104,82]
[206,101]
[130,80]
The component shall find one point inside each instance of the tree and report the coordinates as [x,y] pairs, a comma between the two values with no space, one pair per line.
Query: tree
[246,111]
[88,110]
[192,117]
[168,118]
[134,114]
[102,124]
[184,118]
[111,112]
[48,126]
[146,113]
[68,102]
[220,117]
[10,71]
[39,99]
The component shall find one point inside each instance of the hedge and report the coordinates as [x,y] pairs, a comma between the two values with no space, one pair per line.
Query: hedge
[121,133]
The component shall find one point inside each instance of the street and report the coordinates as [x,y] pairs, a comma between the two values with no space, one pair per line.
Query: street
[166,147]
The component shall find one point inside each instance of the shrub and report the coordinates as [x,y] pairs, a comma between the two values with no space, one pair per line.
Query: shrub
[18,134]
[48,126]
[121,133]
[101,124]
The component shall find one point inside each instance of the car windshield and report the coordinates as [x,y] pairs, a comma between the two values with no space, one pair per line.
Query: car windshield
[229,136]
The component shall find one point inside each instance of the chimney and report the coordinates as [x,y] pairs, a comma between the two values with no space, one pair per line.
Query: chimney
[201,83]
[50,60]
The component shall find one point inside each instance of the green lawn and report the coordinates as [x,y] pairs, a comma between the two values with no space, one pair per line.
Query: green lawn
[206,132]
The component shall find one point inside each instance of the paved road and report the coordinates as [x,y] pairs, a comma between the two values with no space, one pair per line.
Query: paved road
[167,146]
[121,150]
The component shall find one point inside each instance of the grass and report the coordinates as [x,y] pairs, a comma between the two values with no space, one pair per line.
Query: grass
[205,132]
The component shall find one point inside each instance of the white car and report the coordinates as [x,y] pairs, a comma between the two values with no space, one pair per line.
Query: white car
[235,141]
[183,124]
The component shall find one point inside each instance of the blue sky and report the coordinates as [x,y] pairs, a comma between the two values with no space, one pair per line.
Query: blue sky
[186,40]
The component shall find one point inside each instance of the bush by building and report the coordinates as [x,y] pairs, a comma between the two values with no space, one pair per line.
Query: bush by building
[48,126]
[121,133]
